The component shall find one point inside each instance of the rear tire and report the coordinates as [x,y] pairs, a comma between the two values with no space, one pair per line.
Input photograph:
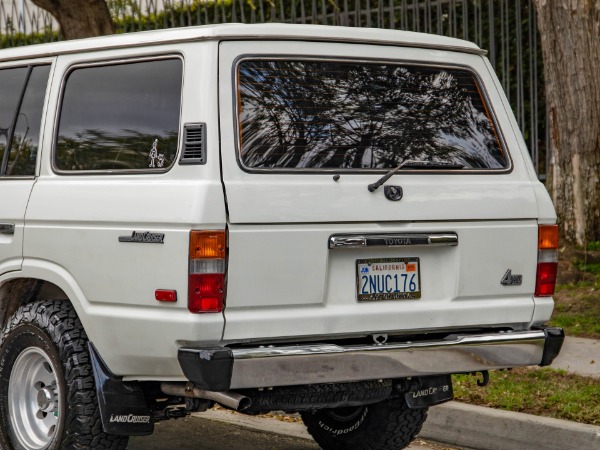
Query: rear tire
[387,425]
[47,391]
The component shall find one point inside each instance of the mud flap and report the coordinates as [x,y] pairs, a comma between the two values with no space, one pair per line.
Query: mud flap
[428,391]
[123,408]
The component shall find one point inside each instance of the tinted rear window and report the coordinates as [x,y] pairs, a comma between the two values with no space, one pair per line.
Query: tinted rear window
[305,114]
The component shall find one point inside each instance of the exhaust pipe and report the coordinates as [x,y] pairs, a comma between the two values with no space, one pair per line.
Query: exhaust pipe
[232,400]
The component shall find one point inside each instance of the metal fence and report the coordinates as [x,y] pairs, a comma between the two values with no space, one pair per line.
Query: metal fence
[506,28]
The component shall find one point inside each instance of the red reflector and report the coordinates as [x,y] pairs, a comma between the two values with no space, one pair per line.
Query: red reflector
[164,295]
[206,292]
[545,279]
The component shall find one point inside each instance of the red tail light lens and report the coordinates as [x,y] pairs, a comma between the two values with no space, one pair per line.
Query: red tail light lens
[206,292]
[546,279]
[547,267]
[207,265]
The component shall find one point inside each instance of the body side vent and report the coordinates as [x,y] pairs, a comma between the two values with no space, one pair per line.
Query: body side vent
[194,144]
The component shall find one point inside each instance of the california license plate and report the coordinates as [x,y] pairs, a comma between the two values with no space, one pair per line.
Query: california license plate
[388,279]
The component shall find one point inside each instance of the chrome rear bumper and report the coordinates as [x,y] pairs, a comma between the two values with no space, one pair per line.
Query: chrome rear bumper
[223,368]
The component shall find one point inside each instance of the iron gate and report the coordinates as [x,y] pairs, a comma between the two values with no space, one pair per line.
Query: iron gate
[506,28]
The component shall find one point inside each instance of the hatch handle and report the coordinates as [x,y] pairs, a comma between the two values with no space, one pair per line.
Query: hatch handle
[393,240]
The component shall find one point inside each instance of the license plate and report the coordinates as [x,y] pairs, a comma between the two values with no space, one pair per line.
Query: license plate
[388,279]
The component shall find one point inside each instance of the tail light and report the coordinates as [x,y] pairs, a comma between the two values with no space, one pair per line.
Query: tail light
[206,282]
[547,266]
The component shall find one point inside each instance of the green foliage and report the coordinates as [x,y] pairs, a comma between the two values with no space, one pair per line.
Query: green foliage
[576,324]
[128,17]
[594,246]
[577,309]
[589,267]
[20,39]
[544,392]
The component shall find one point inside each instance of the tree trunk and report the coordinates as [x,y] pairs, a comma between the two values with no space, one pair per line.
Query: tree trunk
[570,39]
[80,18]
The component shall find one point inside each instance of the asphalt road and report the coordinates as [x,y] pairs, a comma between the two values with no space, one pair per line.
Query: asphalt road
[197,433]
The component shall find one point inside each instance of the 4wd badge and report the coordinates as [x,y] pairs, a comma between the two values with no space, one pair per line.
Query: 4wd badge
[511,280]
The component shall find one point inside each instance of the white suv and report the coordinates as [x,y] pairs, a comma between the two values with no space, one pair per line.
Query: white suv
[271,217]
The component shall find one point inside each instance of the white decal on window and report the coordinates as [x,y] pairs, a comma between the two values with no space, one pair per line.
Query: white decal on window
[156,159]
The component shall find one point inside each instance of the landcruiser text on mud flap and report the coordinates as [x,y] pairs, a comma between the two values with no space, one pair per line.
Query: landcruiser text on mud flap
[311,219]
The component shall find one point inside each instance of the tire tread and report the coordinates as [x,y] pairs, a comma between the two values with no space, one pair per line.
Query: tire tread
[83,425]
[389,425]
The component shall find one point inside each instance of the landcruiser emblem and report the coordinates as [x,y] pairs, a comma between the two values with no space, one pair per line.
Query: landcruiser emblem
[156,159]
[129,418]
[511,280]
[144,238]
[393,193]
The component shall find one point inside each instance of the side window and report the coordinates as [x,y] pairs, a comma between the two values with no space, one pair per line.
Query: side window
[12,82]
[26,136]
[120,117]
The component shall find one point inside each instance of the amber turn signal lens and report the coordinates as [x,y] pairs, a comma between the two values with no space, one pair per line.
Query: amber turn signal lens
[207,244]
[548,237]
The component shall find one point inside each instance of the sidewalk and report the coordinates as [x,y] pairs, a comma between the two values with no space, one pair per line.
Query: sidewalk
[580,356]
[487,428]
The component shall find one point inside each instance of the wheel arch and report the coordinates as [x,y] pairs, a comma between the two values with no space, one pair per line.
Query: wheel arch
[39,280]
[19,291]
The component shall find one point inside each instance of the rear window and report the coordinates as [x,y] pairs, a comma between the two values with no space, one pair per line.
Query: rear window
[350,115]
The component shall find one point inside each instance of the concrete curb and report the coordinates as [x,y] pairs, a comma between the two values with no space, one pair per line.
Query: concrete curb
[293,429]
[483,428]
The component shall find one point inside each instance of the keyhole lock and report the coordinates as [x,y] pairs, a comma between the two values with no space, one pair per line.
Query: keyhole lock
[393,193]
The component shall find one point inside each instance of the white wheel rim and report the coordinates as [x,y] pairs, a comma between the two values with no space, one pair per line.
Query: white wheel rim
[34,399]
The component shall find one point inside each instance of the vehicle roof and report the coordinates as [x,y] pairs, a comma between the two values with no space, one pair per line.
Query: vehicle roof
[237,31]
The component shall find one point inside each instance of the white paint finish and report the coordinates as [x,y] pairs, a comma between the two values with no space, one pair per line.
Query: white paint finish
[367,318]
[546,212]
[494,216]
[235,31]
[270,265]
[283,281]
[136,340]
[14,194]
[307,198]
[269,295]
[75,221]
[488,250]
[543,307]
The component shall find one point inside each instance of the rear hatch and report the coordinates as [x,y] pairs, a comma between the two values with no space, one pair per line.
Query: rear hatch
[314,251]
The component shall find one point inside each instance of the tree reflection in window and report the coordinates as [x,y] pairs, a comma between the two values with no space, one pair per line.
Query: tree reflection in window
[353,115]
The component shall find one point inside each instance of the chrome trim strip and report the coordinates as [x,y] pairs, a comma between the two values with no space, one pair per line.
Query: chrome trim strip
[329,363]
[7,228]
[392,240]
